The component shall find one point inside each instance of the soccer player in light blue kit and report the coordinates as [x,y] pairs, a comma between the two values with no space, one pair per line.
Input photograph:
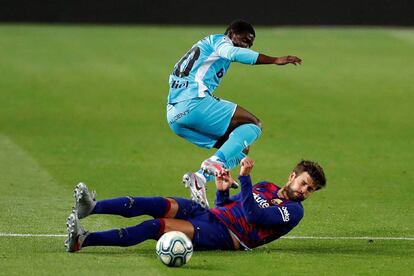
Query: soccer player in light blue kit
[205,120]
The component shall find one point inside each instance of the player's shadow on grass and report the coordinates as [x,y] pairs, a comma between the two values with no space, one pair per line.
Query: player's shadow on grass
[202,256]
[119,251]
[205,265]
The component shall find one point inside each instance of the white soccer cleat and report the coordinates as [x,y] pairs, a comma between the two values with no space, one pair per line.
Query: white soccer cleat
[197,187]
[212,167]
[76,233]
[84,200]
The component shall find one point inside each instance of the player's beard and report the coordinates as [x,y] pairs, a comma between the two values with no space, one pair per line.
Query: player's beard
[293,195]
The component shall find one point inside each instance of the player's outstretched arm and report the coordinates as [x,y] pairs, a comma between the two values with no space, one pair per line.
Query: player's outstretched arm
[273,215]
[251,210]
[263,59]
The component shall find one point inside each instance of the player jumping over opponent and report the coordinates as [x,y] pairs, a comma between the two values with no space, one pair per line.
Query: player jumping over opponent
[257,215]
[205,120]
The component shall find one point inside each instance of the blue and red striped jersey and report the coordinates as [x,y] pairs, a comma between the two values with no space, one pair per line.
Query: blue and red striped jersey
[256,215]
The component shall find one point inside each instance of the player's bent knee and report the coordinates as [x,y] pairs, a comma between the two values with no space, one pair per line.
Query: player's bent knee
[181,225]
[173,208]
[259,124]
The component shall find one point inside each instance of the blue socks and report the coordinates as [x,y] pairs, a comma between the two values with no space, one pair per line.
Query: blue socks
[130,207]
[150,229]
[133,206]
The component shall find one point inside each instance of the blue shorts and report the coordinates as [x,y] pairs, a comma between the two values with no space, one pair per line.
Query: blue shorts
[201,121]
[209,232]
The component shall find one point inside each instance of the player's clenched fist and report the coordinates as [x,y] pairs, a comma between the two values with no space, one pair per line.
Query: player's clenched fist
[246,166]
[224,180]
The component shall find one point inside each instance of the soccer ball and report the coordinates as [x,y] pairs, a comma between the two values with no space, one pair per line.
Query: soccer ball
[174,249]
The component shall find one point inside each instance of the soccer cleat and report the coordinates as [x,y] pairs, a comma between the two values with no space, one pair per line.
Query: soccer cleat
[76,233]
[212,167]
[197,188]
[84,200]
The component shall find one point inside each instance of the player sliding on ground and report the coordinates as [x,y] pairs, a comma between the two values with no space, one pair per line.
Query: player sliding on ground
[257,215]
[205,120]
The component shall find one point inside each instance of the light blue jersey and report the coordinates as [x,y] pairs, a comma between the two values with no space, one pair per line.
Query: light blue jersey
[201,69]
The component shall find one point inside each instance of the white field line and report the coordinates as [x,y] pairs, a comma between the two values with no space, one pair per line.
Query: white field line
[348,238]
[288,237]
[30,235]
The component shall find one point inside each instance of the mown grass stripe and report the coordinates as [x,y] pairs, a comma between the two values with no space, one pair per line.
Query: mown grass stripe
[288,237]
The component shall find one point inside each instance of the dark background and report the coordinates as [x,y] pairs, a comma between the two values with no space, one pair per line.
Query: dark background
[262,12]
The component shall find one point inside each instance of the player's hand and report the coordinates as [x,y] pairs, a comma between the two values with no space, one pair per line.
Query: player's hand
[246,166]
[288,60]
[224,180]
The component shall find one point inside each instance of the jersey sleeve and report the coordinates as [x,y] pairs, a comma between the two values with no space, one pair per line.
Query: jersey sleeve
[289,214]
[225,49]
[222,197]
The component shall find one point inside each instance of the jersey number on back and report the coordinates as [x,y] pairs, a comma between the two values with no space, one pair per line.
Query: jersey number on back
[186,63]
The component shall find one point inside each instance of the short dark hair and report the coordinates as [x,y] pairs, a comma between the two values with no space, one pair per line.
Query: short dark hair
[240,26]
[314,170]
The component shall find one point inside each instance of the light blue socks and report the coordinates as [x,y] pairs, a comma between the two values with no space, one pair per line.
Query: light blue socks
[239,139]
[231,152]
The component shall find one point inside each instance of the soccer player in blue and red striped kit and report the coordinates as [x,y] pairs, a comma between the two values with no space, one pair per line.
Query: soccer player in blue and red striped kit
[255,216]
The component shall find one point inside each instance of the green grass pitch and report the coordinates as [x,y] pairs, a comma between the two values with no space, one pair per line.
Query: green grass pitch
[87,103]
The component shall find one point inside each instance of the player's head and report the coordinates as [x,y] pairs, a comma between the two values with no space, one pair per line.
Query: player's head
[241,33]
[307,177]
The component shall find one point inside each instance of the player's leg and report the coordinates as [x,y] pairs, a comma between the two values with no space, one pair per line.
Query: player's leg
[175,219]
[195,182]
[240,117]
[133,206]
[79,238]
[203,122]
[243,130]
[212,122]
[182,208]
[129,206]
[148,230]
[197,223]
[189,120]
[200,225]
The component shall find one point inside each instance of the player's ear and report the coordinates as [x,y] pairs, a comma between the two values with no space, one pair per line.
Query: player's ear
[292,176]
